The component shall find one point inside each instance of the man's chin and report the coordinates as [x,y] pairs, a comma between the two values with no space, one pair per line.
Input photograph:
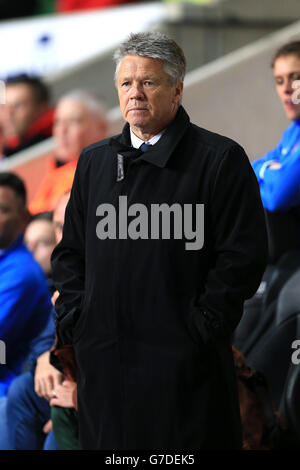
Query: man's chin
[66,156]
[138,124]
[292,114]
[294,117]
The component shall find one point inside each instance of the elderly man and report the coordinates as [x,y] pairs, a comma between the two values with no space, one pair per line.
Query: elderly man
[79,120]
[162,244]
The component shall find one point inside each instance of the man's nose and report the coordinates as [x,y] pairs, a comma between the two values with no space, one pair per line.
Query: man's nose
[287,87]
[136,92]
[60,130]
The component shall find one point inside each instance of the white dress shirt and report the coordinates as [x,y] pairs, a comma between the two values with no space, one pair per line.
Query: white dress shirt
[136,142]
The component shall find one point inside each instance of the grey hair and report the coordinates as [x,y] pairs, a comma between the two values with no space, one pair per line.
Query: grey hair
[156,46]
[94,104]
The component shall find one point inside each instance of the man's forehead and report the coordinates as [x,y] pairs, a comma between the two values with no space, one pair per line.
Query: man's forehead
[17,90]
[39,227]
[6,192]
[286,63]
[71,109]
[135,63]
[8,196]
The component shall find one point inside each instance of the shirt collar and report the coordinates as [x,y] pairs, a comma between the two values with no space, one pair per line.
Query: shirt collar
[136,142]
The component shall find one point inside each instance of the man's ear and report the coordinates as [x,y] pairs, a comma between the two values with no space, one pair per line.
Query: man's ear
[178,91]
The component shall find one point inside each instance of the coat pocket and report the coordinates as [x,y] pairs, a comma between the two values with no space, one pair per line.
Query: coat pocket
[193,328]
[203,327]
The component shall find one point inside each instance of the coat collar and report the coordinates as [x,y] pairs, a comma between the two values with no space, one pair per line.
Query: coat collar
[160,153]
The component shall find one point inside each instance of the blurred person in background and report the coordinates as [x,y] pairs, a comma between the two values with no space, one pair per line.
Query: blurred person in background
[40,239]
[79,121]
[278,172]
[25,422]
[6,128]
[29,112]
[25,304]
[64,414]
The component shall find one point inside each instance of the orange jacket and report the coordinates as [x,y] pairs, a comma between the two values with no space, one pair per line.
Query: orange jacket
[56,183]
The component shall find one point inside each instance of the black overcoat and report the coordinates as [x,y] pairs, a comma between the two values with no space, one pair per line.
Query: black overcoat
[150,320]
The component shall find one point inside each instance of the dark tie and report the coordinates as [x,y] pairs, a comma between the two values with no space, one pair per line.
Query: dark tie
[144,147]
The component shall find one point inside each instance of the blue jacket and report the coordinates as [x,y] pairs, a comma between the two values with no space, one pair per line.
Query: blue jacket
[25,308]
[280,188]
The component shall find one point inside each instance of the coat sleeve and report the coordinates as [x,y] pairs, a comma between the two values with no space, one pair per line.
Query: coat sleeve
[239,247]
[280,187]
[260,166]
[68,262]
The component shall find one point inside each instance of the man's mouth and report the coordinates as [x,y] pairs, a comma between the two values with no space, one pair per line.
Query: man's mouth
[289,103]
[137,109]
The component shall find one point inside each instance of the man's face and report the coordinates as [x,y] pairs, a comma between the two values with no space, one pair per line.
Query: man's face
[286,70]
[74,128]
[40,240]
[22,107]
[148,101]
[59,216]
[12,216]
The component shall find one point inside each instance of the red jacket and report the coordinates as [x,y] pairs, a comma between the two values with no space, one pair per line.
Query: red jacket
[39,130]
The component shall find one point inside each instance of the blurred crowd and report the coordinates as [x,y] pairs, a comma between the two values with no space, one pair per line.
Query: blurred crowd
[28,235]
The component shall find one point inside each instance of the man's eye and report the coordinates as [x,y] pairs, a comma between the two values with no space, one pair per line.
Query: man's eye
[125,83]
[148,83]
[278,81]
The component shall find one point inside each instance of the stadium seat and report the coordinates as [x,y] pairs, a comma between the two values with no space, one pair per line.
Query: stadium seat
[289,299]
[272,355]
